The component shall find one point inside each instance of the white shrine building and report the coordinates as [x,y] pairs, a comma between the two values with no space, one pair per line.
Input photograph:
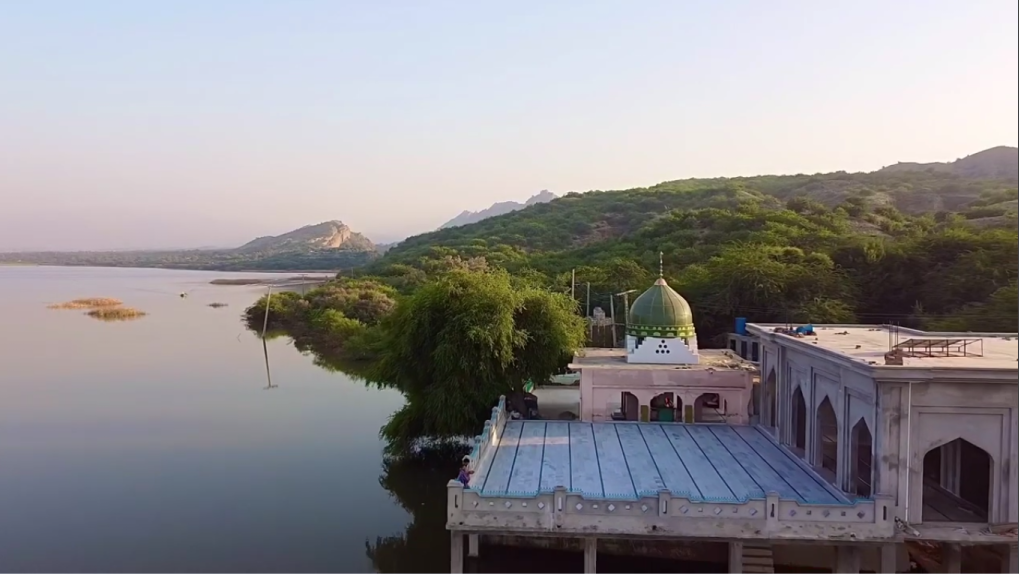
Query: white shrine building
[847,448]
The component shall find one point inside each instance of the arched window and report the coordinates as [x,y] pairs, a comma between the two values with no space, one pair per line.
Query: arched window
[771,392]
[798,414]
[706,409]
[957,483]
[861,461]
[663,407]
[828,439]
[630,407]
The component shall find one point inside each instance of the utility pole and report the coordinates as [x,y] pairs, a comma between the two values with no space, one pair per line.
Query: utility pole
[625,298]
[574,285]
[590,320]
[615,340]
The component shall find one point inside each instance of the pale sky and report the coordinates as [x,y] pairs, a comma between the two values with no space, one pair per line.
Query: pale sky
[145,124]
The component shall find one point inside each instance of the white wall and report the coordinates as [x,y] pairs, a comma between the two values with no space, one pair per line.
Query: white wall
[983,413]
[601,387]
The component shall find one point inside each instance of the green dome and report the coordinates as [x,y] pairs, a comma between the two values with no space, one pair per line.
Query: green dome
[660,311]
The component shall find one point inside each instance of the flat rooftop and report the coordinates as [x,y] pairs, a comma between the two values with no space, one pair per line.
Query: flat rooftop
[702,462]
[615,359]
[870,343]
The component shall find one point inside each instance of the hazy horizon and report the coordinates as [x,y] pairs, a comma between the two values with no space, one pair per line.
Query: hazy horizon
[146,126]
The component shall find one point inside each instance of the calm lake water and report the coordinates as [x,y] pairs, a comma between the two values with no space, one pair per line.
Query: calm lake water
[154,445]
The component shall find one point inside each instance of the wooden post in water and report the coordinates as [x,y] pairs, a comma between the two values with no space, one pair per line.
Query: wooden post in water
[266,313]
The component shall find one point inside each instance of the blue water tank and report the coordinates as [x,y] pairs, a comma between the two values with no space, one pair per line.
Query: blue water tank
[741,326]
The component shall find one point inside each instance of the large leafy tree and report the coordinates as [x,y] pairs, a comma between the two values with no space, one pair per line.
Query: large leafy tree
[463,340]
[767,283]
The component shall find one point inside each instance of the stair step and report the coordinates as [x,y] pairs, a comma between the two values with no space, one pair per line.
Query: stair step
[757,551]
[758,559]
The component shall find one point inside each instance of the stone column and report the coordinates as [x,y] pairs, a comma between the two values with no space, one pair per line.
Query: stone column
[474,546]
[457,552]
[847,560]
[590,555]
[1010,559]
[887,559]
[951,556]
[736,557]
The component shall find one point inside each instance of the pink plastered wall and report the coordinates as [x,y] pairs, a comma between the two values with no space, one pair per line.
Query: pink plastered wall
[601,390]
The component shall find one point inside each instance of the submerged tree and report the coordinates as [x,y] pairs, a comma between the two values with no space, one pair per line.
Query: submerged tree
[463,340]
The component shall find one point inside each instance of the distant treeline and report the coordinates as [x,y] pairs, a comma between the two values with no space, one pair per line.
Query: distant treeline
[223,260]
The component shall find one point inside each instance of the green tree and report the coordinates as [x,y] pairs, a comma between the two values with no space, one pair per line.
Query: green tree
[999,313]
[463,340]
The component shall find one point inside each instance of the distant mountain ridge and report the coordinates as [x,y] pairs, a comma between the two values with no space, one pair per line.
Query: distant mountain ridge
[333,234]
[998,163]
[329,245]
[497,209]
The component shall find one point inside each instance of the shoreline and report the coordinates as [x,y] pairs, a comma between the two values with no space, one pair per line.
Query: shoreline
[181,269]
[301,280]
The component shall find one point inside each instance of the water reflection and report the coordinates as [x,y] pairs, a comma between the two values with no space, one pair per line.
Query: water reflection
[150,446]
[266,361]
[418,485]
[320,355]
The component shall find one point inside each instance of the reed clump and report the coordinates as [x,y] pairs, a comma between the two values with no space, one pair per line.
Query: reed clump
[114,313]
[86,304]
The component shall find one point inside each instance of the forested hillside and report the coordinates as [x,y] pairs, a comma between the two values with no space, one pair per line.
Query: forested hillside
[922,248]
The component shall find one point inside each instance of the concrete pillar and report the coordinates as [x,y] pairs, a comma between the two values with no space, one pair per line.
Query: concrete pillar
[847,560]
[887,559]
[951,556]
[1010,559]
[474,546]
[457,538]
[736,557]
[590,555]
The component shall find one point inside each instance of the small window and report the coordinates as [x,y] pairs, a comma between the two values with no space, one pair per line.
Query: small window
[755,352]
[743,349]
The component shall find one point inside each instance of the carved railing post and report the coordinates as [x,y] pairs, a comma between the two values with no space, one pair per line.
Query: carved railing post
[772,512]
[884,511]
[559,503]
[456,499]
[664,502]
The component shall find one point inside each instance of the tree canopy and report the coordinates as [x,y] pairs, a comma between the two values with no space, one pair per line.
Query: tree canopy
[461,341]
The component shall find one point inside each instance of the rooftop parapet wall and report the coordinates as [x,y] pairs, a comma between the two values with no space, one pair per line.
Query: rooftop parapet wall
[486,443]
[866,346]
[562,513]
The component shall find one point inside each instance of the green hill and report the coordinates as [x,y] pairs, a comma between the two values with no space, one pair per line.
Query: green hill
[915,246]
[871,204]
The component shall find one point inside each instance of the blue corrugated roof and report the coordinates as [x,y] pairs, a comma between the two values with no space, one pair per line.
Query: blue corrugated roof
[705,463]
